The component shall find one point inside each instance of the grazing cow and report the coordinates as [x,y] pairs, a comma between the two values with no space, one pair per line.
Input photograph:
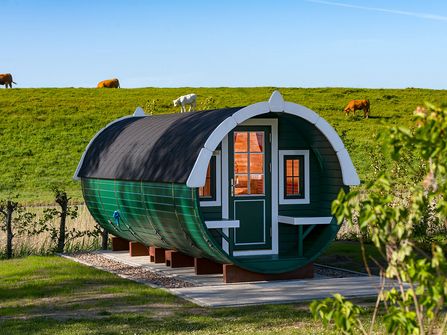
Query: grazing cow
[109,83]
[6,79]
[354,105]
[189,99]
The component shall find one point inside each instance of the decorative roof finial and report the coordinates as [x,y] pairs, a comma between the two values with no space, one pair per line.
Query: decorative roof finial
[139,112]
[276,102]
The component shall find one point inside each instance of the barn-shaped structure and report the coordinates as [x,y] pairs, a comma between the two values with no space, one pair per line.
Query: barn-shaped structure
[250,186]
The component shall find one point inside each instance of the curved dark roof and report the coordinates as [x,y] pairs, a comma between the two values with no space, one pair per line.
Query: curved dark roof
[161,148]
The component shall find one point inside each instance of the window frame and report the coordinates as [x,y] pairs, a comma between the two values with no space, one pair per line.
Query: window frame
[216,182]
[249,156]
[300,177]
[293,199]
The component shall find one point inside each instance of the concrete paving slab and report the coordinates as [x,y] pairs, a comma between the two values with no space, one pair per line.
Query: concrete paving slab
[211,291]
[279,292]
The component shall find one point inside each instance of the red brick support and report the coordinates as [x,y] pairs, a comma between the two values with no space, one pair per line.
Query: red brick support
[138,249]
[234,274]
[119,244]
[157,255]
[176,259]
[205,266]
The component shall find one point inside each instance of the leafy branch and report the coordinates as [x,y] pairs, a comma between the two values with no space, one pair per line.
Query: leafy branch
[414,298]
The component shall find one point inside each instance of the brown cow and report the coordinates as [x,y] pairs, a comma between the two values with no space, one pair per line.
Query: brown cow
[6,79]
[109,83]
[354,105]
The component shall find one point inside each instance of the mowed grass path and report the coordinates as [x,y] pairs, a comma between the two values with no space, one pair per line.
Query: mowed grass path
[52,295]
[43,132]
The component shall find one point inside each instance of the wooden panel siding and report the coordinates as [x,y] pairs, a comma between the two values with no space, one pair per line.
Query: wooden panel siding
[157,214]
[213,213]
[325,183]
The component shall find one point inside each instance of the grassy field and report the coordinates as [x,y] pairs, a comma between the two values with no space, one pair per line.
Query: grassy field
[51,295]
[44,132]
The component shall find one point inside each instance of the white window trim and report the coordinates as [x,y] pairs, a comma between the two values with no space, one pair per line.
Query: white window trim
[282,199]
[217,201]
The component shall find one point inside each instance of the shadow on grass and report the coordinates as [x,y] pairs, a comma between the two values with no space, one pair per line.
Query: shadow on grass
[380,117]
[48,283]
[189,319]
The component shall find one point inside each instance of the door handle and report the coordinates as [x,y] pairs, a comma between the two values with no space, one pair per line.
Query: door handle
[232,187]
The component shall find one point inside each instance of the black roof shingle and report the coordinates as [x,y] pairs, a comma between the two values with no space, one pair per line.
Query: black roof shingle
[159,148]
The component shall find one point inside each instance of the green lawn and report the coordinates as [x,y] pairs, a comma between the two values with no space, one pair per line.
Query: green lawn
[51,295]
[44,132]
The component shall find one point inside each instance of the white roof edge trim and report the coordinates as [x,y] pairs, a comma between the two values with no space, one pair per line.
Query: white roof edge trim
[349,174]
[252,110]
[219,133]
[197,175]
[301,111]
[76,174]
[198,178]
[330,134]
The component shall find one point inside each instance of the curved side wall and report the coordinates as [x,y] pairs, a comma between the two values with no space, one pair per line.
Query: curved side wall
[167,215]
[157,214]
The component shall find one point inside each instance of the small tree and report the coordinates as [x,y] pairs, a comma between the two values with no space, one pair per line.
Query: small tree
[105,239]
[7,209]
[413,291]
[58,233]
[104,236]
[16,220]
[62,200]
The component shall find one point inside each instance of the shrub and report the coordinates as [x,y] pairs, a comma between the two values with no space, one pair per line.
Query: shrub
[415,302]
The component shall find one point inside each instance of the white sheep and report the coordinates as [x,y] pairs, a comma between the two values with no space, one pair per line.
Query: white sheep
[189,99]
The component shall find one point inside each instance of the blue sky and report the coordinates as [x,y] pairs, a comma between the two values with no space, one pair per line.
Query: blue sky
[301,43]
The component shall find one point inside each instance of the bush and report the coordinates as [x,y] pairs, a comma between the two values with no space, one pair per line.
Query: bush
[398,227]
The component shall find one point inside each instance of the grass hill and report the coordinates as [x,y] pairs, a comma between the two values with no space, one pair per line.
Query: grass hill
[43,132]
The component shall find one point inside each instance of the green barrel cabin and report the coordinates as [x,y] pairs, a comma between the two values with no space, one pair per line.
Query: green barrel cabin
[250,186]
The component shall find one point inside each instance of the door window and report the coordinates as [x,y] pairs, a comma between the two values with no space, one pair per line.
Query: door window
[249,158]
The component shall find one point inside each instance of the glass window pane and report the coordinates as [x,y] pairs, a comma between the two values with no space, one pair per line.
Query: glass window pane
[241,184]
[289,167]
[256,141]
[296,167]
[256,163]
[240,141]
[257,184]
[205,191]
[240,163]
[289,186]
[296,186]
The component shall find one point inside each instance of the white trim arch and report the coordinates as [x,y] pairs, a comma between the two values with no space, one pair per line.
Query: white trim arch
[276,104]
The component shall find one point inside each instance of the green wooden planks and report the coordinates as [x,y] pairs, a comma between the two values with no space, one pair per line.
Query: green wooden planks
[158,214]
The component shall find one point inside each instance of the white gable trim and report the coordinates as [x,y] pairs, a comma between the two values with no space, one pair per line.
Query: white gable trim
[276,104]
